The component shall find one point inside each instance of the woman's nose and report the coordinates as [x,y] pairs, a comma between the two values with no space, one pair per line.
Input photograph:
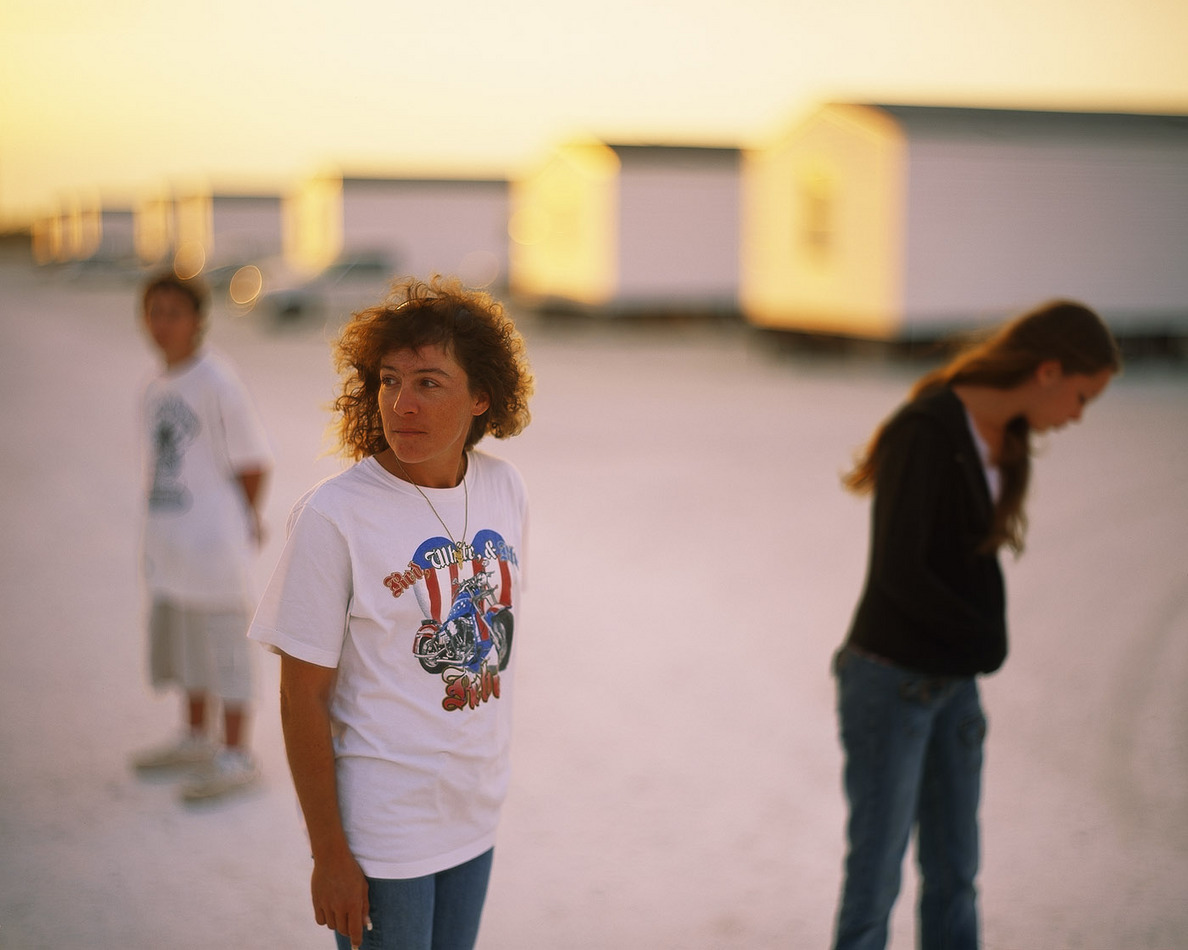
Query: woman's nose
[402,401]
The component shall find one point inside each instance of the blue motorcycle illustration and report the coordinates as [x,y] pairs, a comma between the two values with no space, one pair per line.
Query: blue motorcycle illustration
[475,625]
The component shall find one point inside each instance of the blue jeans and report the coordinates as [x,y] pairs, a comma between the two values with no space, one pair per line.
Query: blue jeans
[913,758]
[436,912]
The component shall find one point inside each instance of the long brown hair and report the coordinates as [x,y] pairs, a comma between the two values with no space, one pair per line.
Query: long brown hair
[468,324]
[1061,330]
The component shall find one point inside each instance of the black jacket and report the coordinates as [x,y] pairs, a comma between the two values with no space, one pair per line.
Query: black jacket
[932,602]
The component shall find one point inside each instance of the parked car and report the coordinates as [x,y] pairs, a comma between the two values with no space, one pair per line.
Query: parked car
[350,283]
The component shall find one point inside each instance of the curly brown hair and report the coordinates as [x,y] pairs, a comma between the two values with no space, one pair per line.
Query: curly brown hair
[468,324]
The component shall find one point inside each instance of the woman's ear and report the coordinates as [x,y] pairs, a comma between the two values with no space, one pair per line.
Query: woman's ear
[482,402]
[1049,372]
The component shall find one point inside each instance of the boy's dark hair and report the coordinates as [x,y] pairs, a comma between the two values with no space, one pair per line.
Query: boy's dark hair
[192,287]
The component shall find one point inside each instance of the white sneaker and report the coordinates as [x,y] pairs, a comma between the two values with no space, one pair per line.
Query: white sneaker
[231,770]
[186,752]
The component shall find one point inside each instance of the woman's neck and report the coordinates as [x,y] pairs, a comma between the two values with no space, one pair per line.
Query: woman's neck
[990,410]
[440,477]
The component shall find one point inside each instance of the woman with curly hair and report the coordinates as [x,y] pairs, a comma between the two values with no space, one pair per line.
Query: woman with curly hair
[949,473]
[393,607]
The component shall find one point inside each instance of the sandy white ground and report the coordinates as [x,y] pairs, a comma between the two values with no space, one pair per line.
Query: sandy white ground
[694,564]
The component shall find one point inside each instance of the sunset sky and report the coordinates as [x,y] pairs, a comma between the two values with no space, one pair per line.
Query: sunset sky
[123,95]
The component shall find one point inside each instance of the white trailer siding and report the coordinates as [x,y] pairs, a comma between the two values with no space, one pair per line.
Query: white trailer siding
[245,227]
[822,234]
[155,228]
[678,228]
[562,226]
[898,222]
[999,226]
[219,228]
[428,226]
[617,228]
[117,235]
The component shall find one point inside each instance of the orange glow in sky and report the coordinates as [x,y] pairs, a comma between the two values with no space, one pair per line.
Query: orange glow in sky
[128,95]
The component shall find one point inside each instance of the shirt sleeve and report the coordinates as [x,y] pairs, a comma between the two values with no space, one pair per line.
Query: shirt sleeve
[246,442]
[304,608]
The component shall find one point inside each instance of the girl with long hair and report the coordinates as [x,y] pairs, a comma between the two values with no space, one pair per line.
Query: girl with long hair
[949,473]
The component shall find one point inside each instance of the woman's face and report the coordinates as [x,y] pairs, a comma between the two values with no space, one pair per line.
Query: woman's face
[1062,397]
[426,407]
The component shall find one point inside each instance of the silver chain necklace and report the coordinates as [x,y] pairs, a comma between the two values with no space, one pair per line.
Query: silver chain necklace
[459,552]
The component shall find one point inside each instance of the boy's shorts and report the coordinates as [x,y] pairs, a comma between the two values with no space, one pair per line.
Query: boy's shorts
[203,651]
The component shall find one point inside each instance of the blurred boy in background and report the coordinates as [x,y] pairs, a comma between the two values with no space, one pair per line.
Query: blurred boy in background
[208,458]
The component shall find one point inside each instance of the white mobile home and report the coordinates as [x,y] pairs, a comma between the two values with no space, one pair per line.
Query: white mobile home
[221,228]
[621,228]
[116,234]
[70,232]
[46,238]
[420,226]
[82,228]
[908,222]
[154,227]
[56,237]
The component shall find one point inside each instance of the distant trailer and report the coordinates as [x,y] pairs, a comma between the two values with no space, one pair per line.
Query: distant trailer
[900,222]
[117,235]
[82,228]
[57,236]
[220,229]
[620,228]
[154,226]
[421,226]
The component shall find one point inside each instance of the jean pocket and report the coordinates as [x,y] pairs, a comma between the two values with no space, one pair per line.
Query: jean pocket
[972,731]
[924,689]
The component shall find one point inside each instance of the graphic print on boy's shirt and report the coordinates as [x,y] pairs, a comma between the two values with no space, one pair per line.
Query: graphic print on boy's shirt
[175,425]
[466,598]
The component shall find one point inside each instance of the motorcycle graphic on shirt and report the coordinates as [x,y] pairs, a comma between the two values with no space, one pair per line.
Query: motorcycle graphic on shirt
[475,625]
[466,597]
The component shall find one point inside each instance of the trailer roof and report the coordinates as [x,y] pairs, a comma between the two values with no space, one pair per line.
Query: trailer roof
[952,121]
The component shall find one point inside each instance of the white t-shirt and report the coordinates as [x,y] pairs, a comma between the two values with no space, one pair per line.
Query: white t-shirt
[421,743]
[202,429]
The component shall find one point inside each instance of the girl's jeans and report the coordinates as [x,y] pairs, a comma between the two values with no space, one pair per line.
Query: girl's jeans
[436,912]
[913,757]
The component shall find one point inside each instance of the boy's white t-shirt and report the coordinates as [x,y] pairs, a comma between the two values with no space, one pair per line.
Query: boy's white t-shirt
[422,754]
[202,429]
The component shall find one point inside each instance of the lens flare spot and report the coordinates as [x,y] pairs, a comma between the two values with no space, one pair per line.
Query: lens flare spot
[189,259]
[527,226]
[245,286]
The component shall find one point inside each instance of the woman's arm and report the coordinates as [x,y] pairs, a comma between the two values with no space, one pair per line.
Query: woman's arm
[338,886]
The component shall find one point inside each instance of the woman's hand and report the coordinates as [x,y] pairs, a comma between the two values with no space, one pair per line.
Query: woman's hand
[339,892]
